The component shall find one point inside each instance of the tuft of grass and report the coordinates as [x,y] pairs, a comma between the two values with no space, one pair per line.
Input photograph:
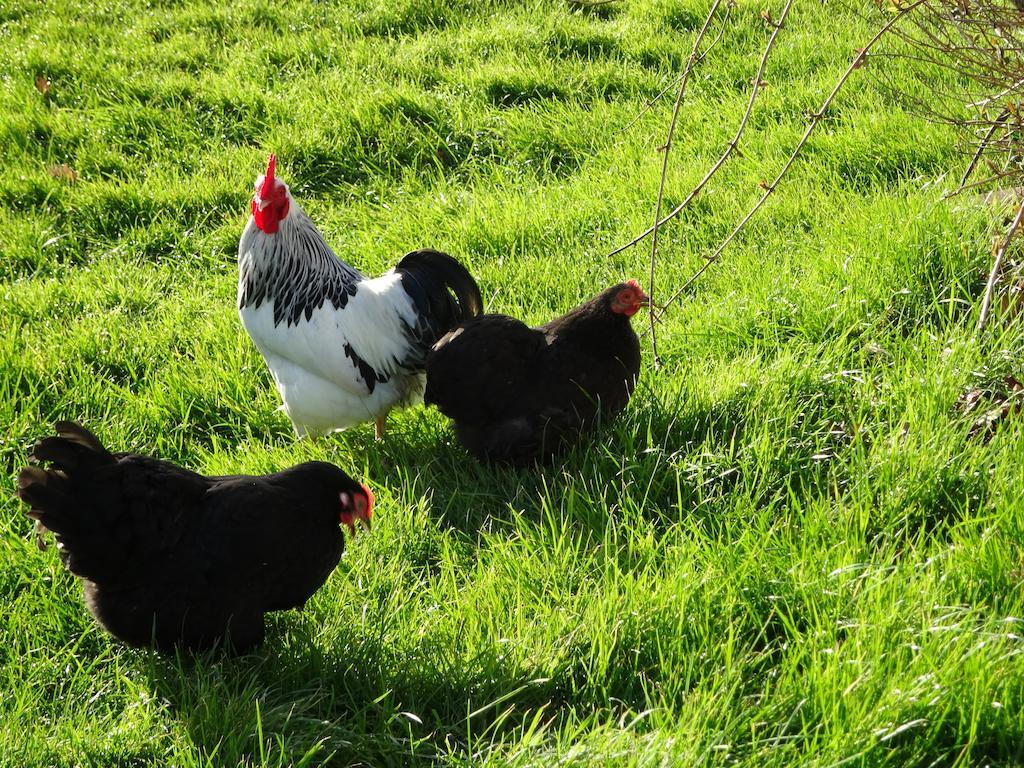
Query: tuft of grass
[786,551]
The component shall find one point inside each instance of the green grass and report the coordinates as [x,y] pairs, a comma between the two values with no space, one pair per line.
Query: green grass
[786,552]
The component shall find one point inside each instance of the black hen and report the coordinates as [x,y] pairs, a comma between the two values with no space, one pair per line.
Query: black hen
[517,393]
[172,558]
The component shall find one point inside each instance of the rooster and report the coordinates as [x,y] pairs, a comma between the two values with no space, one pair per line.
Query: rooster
[175,559]
[517,394]
[342,348]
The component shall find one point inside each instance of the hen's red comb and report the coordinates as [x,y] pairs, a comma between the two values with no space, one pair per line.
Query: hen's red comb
[268,180]
[635,284]
[369,499]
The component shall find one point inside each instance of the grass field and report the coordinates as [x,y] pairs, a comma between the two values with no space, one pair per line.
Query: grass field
[787,552]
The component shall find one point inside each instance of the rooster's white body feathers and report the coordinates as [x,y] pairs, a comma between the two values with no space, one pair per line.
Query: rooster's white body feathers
[322,389]
[342,348]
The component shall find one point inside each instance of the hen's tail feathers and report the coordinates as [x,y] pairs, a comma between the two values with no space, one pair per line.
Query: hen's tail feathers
[75,448]
[443,291]
[50,493]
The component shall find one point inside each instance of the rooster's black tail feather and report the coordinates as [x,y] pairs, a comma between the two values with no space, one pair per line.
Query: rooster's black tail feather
[444,293]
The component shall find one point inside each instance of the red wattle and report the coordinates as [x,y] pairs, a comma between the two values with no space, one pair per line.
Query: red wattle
[369,499]
[269,218]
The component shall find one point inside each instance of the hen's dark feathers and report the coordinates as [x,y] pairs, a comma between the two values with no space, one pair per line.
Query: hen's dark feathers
[521,439]
[517,394]
[477,371]
[173,558]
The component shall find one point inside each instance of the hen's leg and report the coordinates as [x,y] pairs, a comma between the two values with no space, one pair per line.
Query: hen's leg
[378,426]
[41,544]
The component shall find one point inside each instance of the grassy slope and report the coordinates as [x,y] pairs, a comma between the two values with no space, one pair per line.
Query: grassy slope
[786,551]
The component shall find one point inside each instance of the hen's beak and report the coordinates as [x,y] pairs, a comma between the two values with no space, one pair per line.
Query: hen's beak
[647,302]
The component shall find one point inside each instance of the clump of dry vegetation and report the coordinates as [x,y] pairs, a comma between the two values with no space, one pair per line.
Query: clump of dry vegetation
[979,44]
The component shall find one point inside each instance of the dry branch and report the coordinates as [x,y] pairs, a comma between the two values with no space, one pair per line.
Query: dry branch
[815,119]
[976,158]
[730,147]
[1010,174]
[996,266]
[646,107]
[694,58]
[981,43]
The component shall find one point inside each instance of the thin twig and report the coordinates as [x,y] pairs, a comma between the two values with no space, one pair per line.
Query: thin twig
[979,42]
[982,146]
[1005,92]
[996,265]
[816,117]
[664,163]
[983,182]
[646,107]
[730,147]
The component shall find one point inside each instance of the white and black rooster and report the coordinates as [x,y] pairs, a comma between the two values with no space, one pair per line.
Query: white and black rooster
[342,348]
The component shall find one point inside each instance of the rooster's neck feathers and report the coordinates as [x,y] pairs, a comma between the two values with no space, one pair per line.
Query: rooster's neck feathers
[294,268]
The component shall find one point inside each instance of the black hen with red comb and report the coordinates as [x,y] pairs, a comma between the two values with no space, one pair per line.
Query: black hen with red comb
[518,394]
[171,558]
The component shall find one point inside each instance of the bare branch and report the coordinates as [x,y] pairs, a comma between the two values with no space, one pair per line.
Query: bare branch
[730,147]
[646,107]
[982,146]
[997,264]
[980,43]
[694,54]
[983,182]
[816,117]
[995,97]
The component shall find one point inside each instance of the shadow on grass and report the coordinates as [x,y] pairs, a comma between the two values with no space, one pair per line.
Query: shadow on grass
[293,704]
[641,448]
[640,457]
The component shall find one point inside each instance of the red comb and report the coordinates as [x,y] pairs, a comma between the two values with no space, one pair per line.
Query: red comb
[268,180]
[635,284]
[369,499]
